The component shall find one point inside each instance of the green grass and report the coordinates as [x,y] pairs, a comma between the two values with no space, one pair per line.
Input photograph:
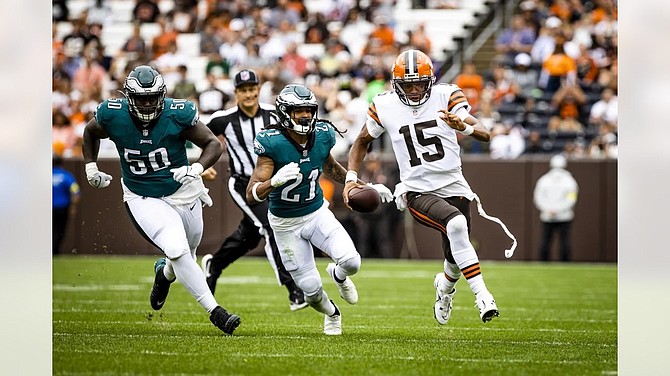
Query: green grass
[555,319]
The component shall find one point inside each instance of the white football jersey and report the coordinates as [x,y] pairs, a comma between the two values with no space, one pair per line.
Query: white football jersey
[425,147]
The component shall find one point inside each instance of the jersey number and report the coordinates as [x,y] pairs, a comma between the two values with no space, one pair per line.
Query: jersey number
[286,194]
[414,159]
[140,164]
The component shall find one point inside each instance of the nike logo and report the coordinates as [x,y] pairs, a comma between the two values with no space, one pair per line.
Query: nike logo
[160,303]
[192,207]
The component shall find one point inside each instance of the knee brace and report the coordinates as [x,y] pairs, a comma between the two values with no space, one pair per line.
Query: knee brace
[352,265]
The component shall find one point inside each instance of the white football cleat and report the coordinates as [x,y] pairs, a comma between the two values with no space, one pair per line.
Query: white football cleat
[443,300]
[487,306]
[332,325]
[347,288]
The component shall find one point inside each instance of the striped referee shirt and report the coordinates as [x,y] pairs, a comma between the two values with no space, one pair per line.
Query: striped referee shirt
[239,132]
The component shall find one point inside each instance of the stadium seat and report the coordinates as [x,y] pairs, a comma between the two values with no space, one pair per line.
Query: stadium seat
[189,44]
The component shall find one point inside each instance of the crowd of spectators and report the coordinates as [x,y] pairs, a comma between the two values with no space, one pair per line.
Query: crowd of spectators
[553,85]
[555,76]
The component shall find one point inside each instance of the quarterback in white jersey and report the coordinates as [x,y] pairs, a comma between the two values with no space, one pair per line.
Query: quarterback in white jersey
[422,120]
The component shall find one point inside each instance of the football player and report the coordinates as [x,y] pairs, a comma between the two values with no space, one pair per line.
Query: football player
[423,120]
[162,192]
[292,155]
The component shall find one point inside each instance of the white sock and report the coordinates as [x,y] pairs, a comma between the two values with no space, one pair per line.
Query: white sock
[452,274]
[190,275]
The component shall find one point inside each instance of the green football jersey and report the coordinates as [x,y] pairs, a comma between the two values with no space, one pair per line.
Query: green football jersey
[148,154]
[304,195]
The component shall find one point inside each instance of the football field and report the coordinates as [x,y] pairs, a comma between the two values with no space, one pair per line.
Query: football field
[555,319]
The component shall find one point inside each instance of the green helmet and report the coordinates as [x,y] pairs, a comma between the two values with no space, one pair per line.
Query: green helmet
[145,90]
[296,96]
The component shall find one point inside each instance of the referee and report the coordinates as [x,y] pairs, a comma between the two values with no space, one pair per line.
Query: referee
[237,127]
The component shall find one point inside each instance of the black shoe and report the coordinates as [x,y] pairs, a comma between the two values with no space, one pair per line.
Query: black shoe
[223,320]
[161,288]
[296,300]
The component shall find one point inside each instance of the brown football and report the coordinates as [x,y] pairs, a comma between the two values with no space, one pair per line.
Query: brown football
[364,199]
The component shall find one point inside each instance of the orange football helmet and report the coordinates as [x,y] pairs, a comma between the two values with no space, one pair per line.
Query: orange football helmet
[412,77]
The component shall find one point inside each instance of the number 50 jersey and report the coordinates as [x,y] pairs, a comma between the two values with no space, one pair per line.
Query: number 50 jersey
[148,153]
[424,145]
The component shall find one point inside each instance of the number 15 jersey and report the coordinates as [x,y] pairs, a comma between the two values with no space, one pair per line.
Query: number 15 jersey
[426,148]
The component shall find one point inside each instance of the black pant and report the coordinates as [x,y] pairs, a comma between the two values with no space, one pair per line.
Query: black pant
[435,212]
[246,237]
[59,217]
[548,231]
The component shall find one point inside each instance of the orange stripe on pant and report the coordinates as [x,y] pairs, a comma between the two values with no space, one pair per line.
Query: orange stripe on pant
[428,221]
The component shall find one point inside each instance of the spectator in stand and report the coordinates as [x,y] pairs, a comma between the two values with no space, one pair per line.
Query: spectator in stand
[605,110]
[384,33]
[283,12]
[555,195]
[63,137]
[587,70]
[184,15]
[146,11]
[507,141]
[167,36]
[545,43]
[472,84]
[532,16]
[608,76]
[293,65]
[515,39]
[64,200]
[210,41]
[91,77]
[355,32]
[60,11]
[74,43]
[558,70]
[212,99]
[525,78]
[233,49]
[135,47]
[501,87]
[568,101]
[317,28]
[418,38]
[99,13]
[534,143]
[184,88]
[168,64]
[217,66]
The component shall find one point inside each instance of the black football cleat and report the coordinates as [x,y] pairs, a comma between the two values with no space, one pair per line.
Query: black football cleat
[225,321]
[161,288]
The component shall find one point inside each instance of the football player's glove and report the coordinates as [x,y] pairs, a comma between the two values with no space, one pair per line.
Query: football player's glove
[284,174]
[96,178]
[187,174]
[384,193]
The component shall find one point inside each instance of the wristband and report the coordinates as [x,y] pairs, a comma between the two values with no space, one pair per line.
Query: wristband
[253,192]
[469,129]
[91,168]
[351,176]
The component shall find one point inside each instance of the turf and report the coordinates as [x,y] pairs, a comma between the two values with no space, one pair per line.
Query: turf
[555,319]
